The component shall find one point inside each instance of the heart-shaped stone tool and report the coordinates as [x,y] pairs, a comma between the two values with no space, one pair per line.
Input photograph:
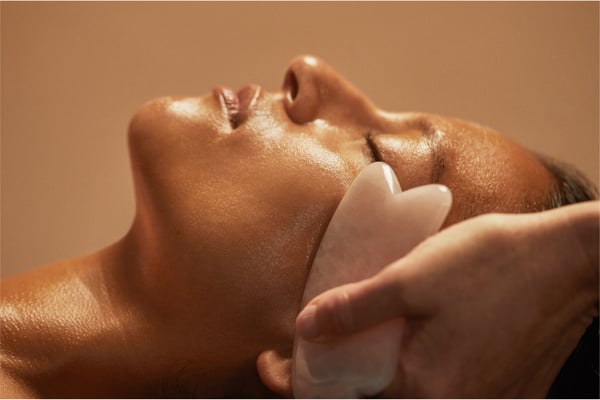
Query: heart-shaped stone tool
[375,224]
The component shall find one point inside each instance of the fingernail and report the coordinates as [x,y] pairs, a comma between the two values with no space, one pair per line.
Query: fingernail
[306,323]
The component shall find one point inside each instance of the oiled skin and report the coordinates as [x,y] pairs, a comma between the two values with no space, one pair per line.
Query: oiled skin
[201,295]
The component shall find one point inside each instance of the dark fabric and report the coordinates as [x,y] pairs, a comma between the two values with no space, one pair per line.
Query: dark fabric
[579,377]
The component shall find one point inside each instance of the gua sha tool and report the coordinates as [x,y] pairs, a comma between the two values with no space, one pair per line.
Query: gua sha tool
[375,224]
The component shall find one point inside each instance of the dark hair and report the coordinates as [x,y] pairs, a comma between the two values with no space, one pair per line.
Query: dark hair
[571,186]
[579,376]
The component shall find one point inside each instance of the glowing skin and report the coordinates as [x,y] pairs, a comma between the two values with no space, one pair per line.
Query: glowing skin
[233,196]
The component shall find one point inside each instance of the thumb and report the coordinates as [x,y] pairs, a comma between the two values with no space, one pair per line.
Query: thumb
[350,308]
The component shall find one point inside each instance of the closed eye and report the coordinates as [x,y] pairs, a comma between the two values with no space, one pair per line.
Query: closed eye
[376,155]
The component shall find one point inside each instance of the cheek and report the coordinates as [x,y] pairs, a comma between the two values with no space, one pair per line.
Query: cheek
[245,214]
[408,155]
[262,240]
[166,129]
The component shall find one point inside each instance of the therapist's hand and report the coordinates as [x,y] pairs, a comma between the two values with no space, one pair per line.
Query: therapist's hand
[492,307]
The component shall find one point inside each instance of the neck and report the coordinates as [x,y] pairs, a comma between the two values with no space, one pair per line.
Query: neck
[88,328]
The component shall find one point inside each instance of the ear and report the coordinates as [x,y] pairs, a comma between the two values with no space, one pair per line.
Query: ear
[275,371]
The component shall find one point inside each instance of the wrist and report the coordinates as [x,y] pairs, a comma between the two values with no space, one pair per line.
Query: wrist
[575,233]
[586,225]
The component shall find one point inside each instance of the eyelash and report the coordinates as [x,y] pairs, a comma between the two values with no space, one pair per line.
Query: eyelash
[372,147]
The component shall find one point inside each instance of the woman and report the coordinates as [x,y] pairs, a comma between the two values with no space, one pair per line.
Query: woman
[233,192]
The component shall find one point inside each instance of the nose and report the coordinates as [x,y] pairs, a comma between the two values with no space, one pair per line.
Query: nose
[314,90]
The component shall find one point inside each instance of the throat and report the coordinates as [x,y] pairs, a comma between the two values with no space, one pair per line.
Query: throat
[68,330]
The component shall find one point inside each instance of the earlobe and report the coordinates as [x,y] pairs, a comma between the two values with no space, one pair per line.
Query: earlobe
[275,371]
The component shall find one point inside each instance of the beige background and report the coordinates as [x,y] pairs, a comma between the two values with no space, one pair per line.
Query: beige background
[73,73]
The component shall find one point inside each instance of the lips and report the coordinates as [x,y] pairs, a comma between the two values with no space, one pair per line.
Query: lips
[236,105]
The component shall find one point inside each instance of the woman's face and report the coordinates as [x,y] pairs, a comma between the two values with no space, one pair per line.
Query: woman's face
[236,189]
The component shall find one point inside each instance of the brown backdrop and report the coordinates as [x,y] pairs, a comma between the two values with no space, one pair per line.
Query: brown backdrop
[73,73]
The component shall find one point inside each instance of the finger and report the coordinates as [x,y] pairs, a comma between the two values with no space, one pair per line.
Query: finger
[351,308]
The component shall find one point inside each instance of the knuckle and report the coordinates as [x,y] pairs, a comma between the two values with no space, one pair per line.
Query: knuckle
[339,312]
[396,295]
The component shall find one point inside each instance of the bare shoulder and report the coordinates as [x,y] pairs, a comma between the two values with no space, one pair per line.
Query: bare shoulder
[33,306]
[12,329]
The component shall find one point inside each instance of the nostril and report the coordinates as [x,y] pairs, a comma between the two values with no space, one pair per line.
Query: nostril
[291,86]
[301,94]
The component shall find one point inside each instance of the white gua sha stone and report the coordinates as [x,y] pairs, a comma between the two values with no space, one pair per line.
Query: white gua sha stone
[375,224]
